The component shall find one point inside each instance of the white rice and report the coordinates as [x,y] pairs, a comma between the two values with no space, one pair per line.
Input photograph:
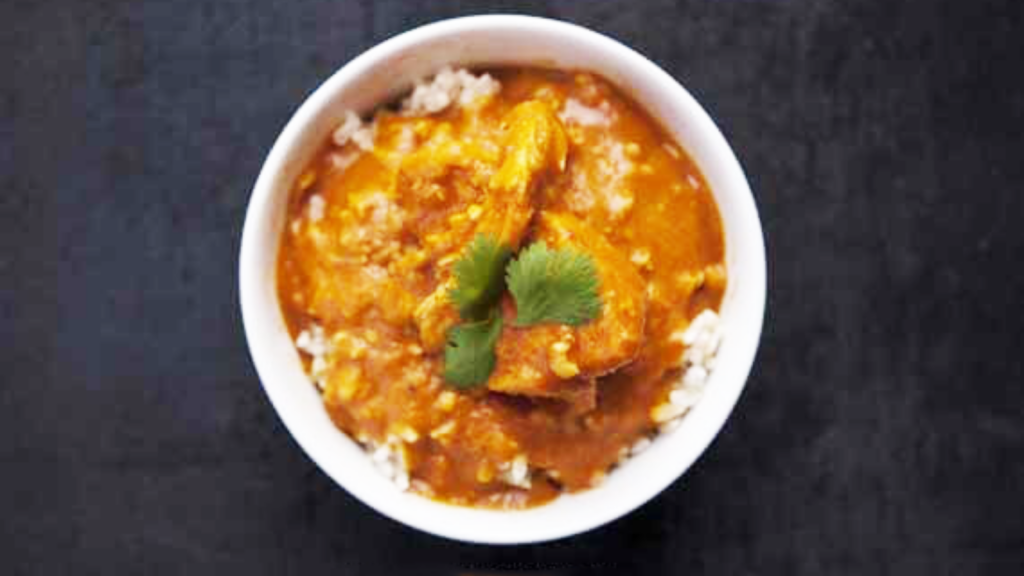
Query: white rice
[363,138]
[314,342]
[317,208]
[670,426]
[516,473]
[702,339]
[390,460]
[353,130]
[575,112]
[639,446]
[341,161]
[349,126]
[448,87]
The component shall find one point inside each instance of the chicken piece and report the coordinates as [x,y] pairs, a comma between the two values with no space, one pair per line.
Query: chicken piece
[613,339]
[554,361]
[535,146]
[528,359]
[434,316]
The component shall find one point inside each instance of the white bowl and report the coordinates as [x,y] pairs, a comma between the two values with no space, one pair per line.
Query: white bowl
[382,73]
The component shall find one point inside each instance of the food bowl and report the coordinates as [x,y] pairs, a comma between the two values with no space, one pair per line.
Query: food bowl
[382,74]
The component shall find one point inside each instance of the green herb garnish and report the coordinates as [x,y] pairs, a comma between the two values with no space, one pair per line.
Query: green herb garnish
[469,354]
[548,286]
[553,286]
[478,275]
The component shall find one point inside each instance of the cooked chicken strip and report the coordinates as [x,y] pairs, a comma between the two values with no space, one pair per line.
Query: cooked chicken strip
[535,146]
[551,360]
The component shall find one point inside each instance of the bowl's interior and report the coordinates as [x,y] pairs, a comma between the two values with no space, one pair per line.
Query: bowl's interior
[381,74]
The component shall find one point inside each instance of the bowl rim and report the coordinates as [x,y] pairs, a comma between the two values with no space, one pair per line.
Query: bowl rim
[250,272]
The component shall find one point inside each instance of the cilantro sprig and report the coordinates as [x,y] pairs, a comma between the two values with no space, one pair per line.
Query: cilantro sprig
[548,285]
[554,286]
[479,278]
[469,354]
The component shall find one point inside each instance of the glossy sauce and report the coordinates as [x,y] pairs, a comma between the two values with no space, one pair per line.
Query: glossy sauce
[394,220]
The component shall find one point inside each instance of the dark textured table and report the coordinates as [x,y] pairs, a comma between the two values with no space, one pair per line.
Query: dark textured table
[882,431]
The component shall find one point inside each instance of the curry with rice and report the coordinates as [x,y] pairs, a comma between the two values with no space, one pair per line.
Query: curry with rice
[495,283]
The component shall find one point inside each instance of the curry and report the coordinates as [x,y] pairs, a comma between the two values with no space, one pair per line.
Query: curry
[553,169]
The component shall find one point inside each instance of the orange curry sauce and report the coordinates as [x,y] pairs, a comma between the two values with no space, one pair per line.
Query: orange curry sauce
[394,220]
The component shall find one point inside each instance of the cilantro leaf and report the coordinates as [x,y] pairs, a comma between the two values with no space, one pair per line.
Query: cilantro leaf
[478,277]
[469,354]
[554,286]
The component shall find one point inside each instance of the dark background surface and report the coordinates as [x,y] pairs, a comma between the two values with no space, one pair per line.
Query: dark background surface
[882,431]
